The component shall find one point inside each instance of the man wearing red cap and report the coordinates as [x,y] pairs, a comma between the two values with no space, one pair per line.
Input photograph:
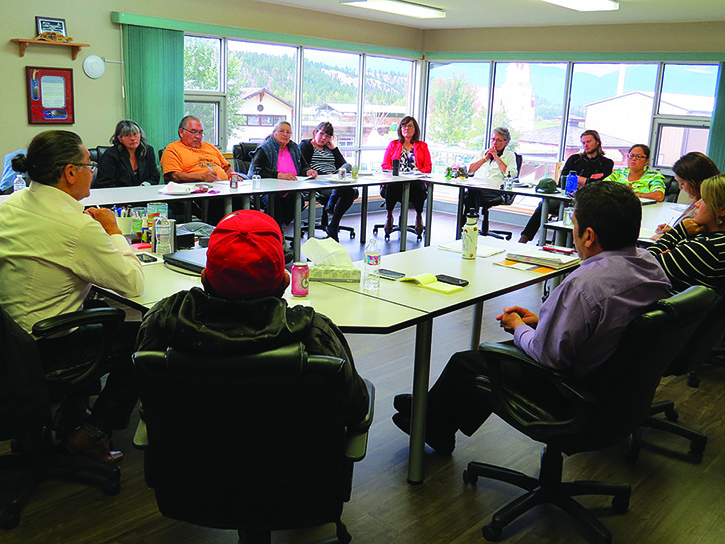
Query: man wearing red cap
[241,309]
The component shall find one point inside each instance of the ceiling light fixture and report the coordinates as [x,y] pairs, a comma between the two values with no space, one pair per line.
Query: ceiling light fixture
[399,7]
[586,5]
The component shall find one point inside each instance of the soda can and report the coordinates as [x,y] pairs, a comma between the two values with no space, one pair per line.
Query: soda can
[342,173]
[234,181]
[300,280]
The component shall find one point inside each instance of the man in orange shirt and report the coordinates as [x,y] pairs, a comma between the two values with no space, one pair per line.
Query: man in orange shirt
[191,160]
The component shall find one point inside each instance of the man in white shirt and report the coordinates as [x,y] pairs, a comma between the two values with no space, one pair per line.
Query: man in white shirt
[51,252]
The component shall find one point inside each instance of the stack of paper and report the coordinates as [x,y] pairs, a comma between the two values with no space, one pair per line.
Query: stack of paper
[549,259]
[429,281]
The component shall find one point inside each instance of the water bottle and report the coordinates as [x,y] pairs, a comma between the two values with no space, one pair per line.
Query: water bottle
[572,183]
[371,266]
[19,183]
[508,183]
[469,241]
[163,235]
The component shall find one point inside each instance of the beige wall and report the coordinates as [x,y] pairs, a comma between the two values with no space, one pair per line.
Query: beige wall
[685,37]
[99,103]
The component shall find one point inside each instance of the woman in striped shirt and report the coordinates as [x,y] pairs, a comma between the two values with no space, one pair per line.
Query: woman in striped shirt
[693,252]
[325,158]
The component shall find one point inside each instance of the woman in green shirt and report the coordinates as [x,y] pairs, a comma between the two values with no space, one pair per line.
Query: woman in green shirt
[644,181]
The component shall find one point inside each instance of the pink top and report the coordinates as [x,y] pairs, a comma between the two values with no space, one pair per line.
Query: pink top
[285,164]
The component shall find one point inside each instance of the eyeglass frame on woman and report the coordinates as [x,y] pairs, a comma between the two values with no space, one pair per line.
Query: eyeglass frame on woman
[633,156]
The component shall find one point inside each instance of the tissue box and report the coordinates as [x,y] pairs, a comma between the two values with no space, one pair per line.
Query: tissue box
[335,273]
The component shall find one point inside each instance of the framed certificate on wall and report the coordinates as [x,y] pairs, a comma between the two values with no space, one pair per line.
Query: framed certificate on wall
[50,96]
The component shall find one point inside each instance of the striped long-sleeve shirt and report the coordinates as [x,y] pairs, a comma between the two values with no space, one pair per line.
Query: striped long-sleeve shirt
[691,260]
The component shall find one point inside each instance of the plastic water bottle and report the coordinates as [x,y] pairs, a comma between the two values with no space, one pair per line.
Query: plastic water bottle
[572,183]
[163,236]
[508,183]
[18,183]
[371,266]
[469,240]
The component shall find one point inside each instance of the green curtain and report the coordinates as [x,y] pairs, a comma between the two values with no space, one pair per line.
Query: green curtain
[154,72]
[716,146]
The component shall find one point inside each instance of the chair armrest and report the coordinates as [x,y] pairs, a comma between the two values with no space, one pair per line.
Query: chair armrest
[71,320]
[517,409]
[357,437]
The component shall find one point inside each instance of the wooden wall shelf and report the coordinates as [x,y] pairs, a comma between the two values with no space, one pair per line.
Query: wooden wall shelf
[75,48]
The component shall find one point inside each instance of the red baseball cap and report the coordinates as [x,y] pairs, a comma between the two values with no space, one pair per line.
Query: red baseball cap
[245,258]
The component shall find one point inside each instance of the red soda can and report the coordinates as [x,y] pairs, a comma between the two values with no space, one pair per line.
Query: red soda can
[300,280]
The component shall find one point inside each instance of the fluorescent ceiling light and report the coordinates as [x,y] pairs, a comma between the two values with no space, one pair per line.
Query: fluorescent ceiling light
[399,7]
[586,5]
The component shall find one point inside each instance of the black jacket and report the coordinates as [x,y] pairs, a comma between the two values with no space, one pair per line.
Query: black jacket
[114,169]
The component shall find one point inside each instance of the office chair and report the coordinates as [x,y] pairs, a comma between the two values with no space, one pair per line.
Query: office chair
[672,189]
[695,353]
[243,153]
[501,199]
[396,228]
[249,442]
[592,414]
[322,198]
[25,412]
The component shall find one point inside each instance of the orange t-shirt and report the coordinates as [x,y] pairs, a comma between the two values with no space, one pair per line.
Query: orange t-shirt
[180,158]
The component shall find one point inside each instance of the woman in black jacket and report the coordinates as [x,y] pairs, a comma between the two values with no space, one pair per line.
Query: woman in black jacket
[130,162]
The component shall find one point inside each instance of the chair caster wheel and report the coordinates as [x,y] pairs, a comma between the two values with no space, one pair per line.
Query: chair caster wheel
[620,504]
[352,235]
[697,448]
[375,231]
[111,487]
[469,478]
[9,520]
[491,533]
[693,380]
[672,415]
[387,237]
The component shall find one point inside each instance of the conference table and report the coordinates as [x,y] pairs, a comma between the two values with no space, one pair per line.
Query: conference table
[653,215]
[394,306]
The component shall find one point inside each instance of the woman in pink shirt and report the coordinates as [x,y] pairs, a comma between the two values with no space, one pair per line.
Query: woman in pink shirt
[279,157]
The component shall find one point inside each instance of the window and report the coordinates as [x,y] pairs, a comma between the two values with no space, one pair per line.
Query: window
[202,64]
[208,114]
[330,89]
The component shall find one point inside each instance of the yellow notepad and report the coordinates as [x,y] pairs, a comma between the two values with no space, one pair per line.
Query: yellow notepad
[429,281]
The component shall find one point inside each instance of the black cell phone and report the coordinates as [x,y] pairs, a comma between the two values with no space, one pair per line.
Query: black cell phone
[146,258]
[450,279]
[391,274]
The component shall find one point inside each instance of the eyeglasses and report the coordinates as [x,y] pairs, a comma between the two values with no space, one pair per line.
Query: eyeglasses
[289,132]
[194,132]
[638,157]
[92,166]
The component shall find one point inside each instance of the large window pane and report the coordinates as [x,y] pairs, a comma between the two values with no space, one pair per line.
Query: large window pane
[528,100]
[386,103]
[260,89]
[616,101]
[202,64]
[673,141]
[208,113]
[456,116]
[688,90]
[329,93]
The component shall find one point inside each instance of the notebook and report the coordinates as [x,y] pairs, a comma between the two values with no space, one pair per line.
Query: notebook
[190,259]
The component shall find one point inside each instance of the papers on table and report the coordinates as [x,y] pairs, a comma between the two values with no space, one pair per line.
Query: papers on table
[430,281]
[542,258]
[481,251]
[173,188]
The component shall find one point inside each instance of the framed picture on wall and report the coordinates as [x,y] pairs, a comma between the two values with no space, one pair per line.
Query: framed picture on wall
[50,96]
[48,24]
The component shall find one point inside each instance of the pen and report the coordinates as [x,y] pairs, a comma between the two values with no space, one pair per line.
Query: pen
[212,171]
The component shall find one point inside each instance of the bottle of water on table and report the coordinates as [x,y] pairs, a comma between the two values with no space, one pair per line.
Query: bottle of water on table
[164,235]
[572,183]
[18,183]
[371,266]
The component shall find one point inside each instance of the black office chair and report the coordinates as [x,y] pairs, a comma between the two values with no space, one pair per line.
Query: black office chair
[249,442]
[695,353]
[499,200]
[322,198]
[592,414]
[25,411]
[396,228]
[672,189]
[243,153]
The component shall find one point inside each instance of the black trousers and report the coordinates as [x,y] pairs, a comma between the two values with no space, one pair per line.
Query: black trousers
[454,403]
[393,193]
[66,357]
[338,201]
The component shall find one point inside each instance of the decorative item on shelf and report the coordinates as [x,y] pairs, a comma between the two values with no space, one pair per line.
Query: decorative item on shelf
[50,36]
[50,24]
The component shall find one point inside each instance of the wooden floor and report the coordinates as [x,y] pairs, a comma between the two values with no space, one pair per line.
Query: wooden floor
[677,497]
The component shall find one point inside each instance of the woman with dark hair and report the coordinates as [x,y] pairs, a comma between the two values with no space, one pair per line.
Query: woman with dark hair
[690,171]
[693,252]
[130,162]
[280,158]
[325,158]
[413,155]
[645,182]
[51,253]
[590,164]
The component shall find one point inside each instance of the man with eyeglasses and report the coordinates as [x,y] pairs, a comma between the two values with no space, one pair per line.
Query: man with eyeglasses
[189,159]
